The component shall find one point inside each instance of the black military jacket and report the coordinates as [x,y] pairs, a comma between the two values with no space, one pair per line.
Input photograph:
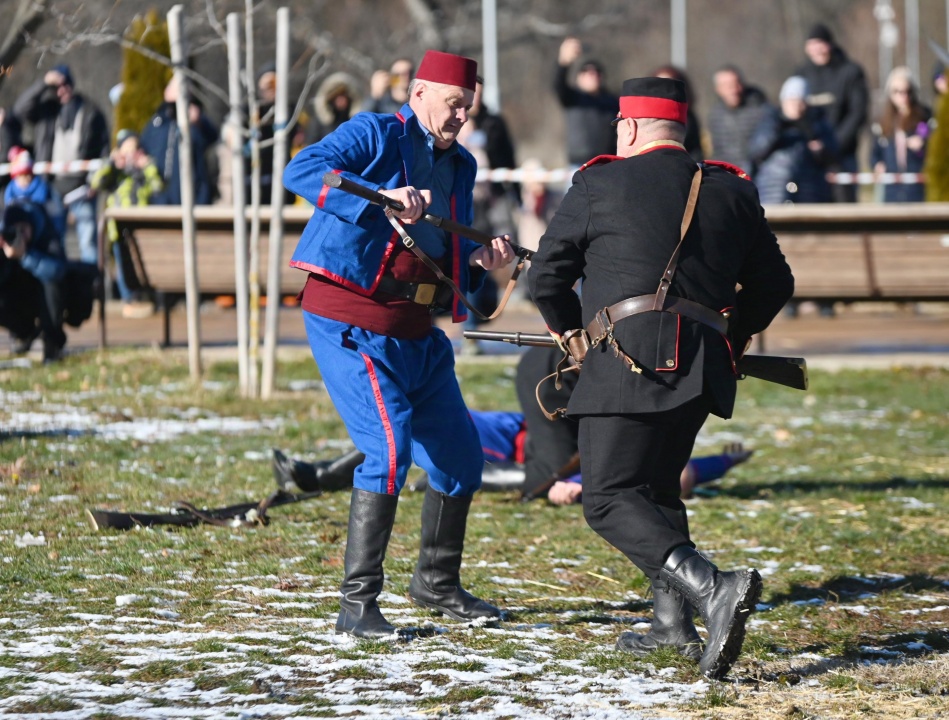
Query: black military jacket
[615,230]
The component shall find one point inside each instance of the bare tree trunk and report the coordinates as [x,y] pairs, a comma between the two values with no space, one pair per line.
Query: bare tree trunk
[254,278]
[276,204]
[192,298]
[22,19]
[236,141]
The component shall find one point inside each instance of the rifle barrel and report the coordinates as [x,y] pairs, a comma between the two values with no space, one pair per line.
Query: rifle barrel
[789,371]
[515,338]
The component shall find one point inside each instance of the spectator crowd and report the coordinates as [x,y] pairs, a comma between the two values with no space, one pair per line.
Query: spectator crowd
[789,145]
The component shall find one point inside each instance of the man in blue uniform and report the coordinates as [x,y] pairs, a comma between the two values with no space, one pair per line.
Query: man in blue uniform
[368,306]
[661,245]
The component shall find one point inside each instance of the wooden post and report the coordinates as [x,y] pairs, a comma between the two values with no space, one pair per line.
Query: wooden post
[275,244]
[254,270]
[236,139]
[192,298]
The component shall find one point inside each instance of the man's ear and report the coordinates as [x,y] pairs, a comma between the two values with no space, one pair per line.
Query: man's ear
[629,137]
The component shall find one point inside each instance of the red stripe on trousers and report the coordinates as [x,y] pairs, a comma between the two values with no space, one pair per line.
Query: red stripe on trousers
[386,425]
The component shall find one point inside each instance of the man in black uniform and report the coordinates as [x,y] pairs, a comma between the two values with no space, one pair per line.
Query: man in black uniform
[660,362]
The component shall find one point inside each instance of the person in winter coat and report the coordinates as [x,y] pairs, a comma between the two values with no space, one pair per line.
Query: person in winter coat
[792,148]
[588,105]
[334,104]
[734,116]
[67,127]
[838,86]
[901,137]
[159,140]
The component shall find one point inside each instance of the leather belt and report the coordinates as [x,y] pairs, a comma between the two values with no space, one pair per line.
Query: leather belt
[420,293]
[602,324]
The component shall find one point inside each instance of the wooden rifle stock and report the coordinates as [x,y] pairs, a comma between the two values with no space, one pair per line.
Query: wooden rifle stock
[566,470]
[377,198]
[788,371]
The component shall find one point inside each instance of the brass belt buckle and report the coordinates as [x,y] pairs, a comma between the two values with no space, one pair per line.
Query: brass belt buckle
[425,293]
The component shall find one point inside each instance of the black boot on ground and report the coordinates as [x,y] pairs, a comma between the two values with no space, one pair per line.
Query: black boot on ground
[672,626]
[295,476]
[436,583]
[724,600]
[371,516]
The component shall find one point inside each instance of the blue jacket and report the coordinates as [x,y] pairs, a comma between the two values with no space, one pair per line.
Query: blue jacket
[787,170]
[159,140]
[350,240]
[45,258]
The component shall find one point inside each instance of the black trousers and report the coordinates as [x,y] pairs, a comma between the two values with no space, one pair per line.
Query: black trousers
[549,445]
[26,302]
[631,468]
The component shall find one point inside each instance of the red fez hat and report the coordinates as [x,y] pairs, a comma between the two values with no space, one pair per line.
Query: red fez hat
[448,69]
[653,97]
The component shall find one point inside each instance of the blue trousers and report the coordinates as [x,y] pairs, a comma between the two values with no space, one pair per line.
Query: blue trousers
[400,402]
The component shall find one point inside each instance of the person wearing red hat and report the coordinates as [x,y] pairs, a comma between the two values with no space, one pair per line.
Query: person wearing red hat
[25,186]
[661,244]
[368,306]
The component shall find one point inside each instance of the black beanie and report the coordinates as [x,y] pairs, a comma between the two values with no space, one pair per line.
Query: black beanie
[821,32]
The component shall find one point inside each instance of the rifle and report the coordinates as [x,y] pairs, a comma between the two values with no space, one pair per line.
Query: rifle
[565,471]
[788,371]
[377,198]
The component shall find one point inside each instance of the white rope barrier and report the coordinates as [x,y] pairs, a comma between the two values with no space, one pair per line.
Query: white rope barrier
[520,175]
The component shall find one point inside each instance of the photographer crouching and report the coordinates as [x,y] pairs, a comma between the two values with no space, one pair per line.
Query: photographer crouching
[39,288]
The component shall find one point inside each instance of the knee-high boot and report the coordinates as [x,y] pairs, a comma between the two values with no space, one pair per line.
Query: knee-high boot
[436,583]
[723,599]
[371,516]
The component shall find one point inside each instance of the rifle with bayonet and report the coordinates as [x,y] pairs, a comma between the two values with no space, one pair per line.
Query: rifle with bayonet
[788,371]
[377,198]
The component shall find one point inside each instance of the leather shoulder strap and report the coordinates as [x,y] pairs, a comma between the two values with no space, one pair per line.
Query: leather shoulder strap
[666,281]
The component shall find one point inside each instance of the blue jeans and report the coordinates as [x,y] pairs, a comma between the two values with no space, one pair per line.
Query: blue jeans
[119,253]
[84,212]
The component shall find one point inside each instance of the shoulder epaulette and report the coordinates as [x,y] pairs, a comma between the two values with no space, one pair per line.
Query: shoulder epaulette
[599,160]
[733,169]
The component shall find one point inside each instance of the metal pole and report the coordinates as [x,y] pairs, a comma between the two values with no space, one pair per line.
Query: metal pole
[236,138]
[275,245]
[192,298]
[912,38]
[491,93]
[678,33]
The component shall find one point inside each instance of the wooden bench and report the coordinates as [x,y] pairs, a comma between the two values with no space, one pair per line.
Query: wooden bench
[159,251]
[847,253]
[851,253]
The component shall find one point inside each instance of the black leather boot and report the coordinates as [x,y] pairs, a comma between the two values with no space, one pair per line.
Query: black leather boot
[723,599]
[672,626]
[296,476]
[371,516]
[436,583]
